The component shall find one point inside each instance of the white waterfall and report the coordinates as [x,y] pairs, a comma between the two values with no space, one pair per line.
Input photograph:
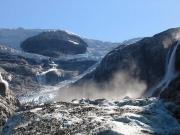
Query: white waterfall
[170,73]
[41,77]
[170,67]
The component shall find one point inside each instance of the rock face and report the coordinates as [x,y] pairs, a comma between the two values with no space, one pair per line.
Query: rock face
[172,92]
[144,60]
[171,95]
[54,44]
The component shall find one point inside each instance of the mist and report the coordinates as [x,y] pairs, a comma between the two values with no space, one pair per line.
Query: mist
[121,85]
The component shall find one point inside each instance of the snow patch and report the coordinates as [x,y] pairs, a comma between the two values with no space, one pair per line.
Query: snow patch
[74,42]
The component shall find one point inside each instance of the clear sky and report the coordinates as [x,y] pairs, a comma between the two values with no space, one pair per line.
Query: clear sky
[108,20]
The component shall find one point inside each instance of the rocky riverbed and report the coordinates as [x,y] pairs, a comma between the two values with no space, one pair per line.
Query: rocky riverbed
[101,116]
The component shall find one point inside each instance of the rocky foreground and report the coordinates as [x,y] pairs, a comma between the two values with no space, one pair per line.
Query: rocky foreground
[127,116]
[8,106]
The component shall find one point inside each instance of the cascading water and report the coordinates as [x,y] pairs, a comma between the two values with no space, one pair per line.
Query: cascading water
[170,73]
[41,77]
[170,68]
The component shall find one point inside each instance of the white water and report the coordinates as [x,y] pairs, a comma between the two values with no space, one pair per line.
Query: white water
[41,77]
[170,73]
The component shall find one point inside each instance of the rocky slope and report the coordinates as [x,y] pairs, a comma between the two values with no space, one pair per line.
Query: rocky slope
[54,44]
[8,106]
[8,103]
[26,72]
[144,61]
[141,117]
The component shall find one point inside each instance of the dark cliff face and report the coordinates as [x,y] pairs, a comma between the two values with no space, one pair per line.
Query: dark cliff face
[171,95]
[144,60]
[54,43]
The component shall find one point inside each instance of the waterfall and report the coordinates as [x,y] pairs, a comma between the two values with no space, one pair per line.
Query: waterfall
[170,67]
[41,77]
[170,72]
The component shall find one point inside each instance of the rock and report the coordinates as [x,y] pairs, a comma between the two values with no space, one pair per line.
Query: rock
[8,107]
[139,116]
[143,61]
[8,103]
[177,63]
[172,92]
[54,44]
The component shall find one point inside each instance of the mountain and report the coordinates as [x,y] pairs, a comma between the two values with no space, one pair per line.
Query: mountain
[27,72]
[54,44]
[143,62]
[132,85]
[13,37]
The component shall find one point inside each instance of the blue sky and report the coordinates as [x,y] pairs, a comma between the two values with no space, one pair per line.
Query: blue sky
[108,20]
